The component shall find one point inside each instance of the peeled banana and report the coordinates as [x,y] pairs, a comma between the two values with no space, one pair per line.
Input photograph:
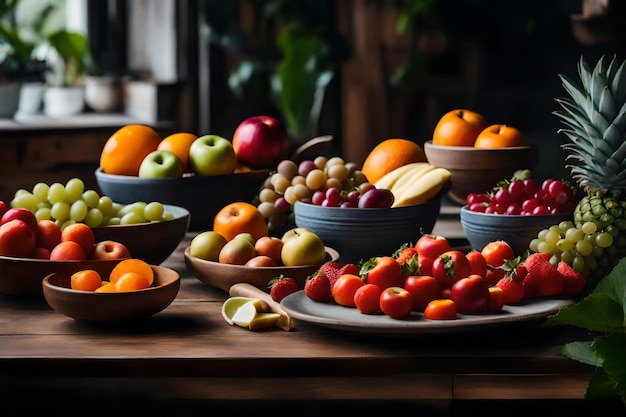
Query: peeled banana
[422,189]
[388,180]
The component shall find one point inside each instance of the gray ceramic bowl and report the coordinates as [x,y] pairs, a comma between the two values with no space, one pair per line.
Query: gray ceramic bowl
[151,242]
[203,196]
[111,307]
[359,234]
[517,231]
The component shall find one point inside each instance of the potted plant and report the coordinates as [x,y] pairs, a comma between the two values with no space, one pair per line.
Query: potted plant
[68,59]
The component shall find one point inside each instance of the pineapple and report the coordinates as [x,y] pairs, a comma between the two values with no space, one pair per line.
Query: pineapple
[595,116]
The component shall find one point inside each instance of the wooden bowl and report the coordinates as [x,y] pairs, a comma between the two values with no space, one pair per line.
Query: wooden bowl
[359,234]
[23,276]
[516,230]
[479,170]
[203,196]
[224,276]
[151,242]
[110,307]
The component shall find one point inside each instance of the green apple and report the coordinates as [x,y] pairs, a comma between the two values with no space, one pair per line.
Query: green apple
[237,252]
[212,155]
[306,248]
[248,236]
[161,164]
[296,231]
[207,245]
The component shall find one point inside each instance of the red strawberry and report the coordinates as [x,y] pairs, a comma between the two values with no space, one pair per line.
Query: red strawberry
[494,274]
[513,290]
[317,288]
[353,269]
[333,270]
[574,281]
[542,275]
[282,287]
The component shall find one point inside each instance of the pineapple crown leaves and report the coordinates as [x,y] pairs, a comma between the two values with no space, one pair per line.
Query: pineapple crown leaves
[595,116]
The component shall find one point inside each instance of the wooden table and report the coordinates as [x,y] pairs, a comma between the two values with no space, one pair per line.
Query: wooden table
[187,358]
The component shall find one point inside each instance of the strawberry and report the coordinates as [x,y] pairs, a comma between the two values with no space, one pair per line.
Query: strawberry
[317,288]
[405,254]
[542,277]
[333,270]
[281,287]
[513,290]
[574,281]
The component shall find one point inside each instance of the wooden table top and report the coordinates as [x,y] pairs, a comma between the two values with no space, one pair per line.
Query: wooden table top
[188,347]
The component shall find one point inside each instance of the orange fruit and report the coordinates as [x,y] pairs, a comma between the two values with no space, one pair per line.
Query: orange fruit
[458,128]
[500,136]
[124,151]
[179,144]
[86,280]
[389,155]
[131,281]
[131,265]
[240,217]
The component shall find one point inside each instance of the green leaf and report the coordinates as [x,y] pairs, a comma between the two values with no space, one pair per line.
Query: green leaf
[601,386]
[582,352]
[611,348]
[596,312]
[614,284]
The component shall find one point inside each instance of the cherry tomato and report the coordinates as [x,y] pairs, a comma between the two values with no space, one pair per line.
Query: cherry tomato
[441,309]
[478,263]
[383,271]
[423,288]
[367,299]
[496,252]
[431,246]
[344,289]
[450,267]
[396,302]
[470,294]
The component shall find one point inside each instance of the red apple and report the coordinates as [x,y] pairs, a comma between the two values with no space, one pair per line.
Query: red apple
[109,249]
[431,246]
[261,261]
[396,302]
[68,251]
[261,142]
[23,214]
[17,239]
[4,207]
[48,234]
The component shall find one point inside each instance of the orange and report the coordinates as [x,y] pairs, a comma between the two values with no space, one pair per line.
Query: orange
[179,144]
[124,151]
[86,280]
[500,136]
[458,128]
[240,217]
[131,265]
[389,155]
[131,281]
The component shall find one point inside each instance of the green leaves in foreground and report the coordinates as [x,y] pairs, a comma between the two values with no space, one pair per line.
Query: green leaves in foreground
[602,313]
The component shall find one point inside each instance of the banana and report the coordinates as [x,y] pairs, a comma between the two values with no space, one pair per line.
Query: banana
[424,189]
[387,180]
[410,177]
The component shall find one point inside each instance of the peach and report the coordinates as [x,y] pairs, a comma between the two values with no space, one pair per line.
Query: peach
[270,246]
[79,233]
[48,234]
[68,251]
[17,239]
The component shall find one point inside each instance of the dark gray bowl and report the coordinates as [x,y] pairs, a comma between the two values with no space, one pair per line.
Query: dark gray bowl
[517,231]
[359,234]
[203,196]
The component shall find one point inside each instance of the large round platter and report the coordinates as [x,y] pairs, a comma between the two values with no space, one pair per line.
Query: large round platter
[334,316]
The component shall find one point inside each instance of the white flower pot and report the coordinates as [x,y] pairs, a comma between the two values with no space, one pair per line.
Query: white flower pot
[31,97]
[103,94]
[64,101]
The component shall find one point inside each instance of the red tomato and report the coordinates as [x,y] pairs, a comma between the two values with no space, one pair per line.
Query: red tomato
[471,294]
[367,299]
[496,252]
[450,267]
[496,300]
[423,288]
[478,263]
[431,246]
[396,302]
[383,271]
[441,309]
[344,289]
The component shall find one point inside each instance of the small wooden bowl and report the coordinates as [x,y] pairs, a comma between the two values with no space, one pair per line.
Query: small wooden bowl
[479,170]
[224,276]
[111,307]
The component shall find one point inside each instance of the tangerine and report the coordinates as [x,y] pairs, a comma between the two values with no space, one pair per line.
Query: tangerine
[124,151]
[179,144]
[85,280]
[131,281]
[131,265]
[458,127]
[500,136]
[389,155]
[240,217]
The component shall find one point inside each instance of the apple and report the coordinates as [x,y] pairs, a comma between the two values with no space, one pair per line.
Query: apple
[261,261]
[207,245]
[48,234]
[68,251]
[270,246]
[161,164]
[81,234]
[109,249]
[245,235]
[470,294]
[396,302]
[237,251]
[23,214]
[41,253]
[212,155]
[423,288]
[431,246]
[296,231]
[305,248]
[261,142]
[4,207]
[17,239]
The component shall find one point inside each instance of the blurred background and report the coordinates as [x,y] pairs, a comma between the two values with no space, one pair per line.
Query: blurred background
[359,70]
